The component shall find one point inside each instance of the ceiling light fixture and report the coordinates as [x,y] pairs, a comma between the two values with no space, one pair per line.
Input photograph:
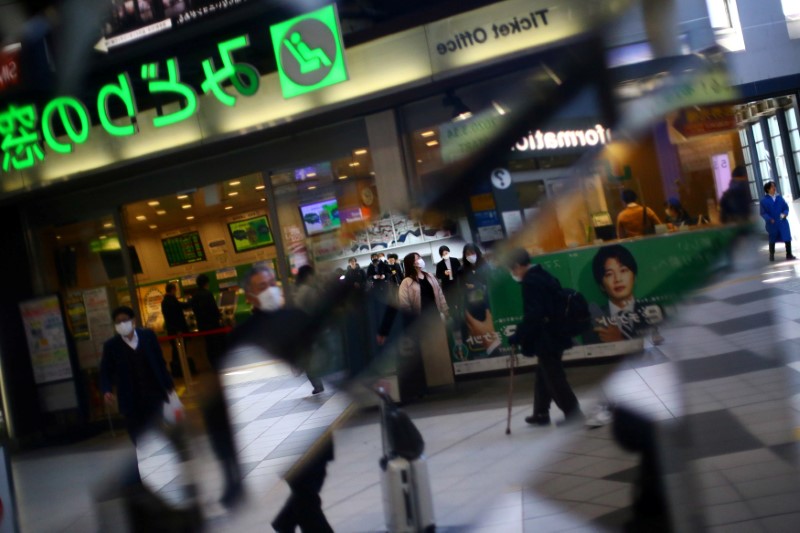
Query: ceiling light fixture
[233,193]
[429,133]
[260,187]
[186,206]
[355,164]
[228,207]
[361,151]
[183,196]
[312,187]
[311,175]
[342,177]
[432,143]
[190,217]
[153,203]
[161,212]
[108,225]
[234,183]
[153,226]
[141,217]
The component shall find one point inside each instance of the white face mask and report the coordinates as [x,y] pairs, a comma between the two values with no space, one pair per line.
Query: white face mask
[420,263]
[471,258]
[516,278]
[270,299]
[445,255]
[124,328]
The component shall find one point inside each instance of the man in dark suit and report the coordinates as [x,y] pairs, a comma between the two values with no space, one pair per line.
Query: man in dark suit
[133,364]
[447,271]
[208,318]
[537,337]
[174,323]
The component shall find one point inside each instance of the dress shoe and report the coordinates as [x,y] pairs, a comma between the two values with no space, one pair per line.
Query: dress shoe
[538,420]
[317,390]
[790,257]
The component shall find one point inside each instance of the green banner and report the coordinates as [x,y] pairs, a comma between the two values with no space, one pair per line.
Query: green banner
[630,287]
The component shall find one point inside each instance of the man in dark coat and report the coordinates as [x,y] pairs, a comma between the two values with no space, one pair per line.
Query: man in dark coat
[734,205]
[774,211]
[208,318]
[133,364]
[447,272]
[174,322]
[283,333]
[536,335]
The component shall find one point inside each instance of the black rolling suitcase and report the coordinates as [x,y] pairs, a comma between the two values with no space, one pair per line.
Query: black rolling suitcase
[407,498]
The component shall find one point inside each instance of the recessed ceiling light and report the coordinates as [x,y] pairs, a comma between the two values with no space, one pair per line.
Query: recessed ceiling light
[354,164]
[429,133]
[342,177]
[103,237]
[263,199]
[183,196]
[260,187]
[108,225]
[190,217]
[361,151]
[419,160]
[58,237]
[432,143]
[234,193]
[153,226]
[141,217]
[228,207]
[311,175]
[312,187]
[161,212]
[153,203]
[234,183]
[186,206]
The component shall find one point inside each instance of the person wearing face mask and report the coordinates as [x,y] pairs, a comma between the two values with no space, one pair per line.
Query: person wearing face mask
[447,272]
[537,339]
[133,365]
[286,333]
[774,211]
[378,274]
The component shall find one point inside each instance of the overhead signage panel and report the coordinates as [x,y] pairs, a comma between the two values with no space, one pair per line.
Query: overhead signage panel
[512,26]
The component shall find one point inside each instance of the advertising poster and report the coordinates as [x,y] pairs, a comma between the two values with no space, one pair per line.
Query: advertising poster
[150,297]
[98,315]
[47,339]
[630,287]
[250,234]
[76,312]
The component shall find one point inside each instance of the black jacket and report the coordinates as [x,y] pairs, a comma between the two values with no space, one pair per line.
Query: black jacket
[735,203]
[534,334]
[174,319]
[396,274]
[115,369]
[445,281]
[205,310]
[355,278]
[379,269]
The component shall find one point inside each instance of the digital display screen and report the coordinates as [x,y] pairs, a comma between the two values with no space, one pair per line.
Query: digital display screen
[250,233]
[320,217]
[183,249]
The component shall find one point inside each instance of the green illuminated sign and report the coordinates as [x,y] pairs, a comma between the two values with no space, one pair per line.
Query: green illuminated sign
[309,52]
[308,49]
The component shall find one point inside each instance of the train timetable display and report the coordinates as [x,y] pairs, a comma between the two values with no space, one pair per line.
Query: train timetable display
[183,249]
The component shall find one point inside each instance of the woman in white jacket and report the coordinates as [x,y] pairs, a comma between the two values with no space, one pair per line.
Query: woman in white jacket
[419,290]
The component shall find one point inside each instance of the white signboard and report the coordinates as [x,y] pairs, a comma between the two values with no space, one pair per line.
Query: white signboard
[47,339]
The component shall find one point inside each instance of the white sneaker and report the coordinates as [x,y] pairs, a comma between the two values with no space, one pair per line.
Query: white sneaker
[601,417]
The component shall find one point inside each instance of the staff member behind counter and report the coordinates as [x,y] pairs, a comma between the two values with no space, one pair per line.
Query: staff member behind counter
[631,220]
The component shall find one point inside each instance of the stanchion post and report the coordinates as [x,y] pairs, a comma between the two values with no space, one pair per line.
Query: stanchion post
[187,375]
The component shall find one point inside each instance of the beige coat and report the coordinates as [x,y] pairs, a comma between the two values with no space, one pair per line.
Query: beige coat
[410,297]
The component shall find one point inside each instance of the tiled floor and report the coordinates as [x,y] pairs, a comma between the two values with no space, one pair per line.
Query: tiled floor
[719,387]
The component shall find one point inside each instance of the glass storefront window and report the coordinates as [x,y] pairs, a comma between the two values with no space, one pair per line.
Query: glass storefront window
[84,264]
[762,152]
[794,138]
[782,174]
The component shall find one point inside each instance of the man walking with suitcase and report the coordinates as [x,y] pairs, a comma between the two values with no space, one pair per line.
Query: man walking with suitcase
[539,335]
